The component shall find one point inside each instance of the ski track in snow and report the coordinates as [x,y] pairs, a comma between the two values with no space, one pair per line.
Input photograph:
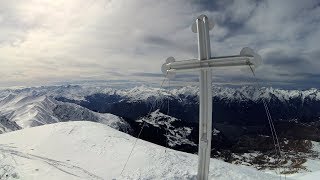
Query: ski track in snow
[95,151]
[62,166]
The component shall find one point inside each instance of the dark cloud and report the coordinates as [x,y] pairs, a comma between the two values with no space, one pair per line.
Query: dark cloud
[215,5]
[147,74]
[157,40]
[177,77]
[281,58]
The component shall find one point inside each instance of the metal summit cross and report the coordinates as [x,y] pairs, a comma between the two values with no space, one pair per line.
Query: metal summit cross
[204,64]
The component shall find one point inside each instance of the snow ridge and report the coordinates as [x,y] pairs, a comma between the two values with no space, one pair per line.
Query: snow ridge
[31,108]
[145,93]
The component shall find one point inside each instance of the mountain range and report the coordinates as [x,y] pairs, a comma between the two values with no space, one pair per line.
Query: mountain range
[169,117]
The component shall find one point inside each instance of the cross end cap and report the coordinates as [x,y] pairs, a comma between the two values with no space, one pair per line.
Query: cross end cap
[202,17]
[256,61]
[165,69]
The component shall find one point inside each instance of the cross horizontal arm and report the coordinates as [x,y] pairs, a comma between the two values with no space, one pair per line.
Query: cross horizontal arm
[194,64]
[246,57]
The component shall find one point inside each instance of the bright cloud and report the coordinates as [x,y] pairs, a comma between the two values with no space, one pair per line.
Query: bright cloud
[43,42]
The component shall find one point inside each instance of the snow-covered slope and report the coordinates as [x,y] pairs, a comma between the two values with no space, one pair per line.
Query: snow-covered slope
[30,109]
[175,135]
[88,150]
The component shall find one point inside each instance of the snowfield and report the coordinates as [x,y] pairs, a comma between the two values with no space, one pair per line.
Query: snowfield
[88,150]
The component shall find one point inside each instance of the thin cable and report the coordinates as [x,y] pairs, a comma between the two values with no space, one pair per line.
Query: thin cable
[137,138]
[272,128]
[267,113]
[274,136]
[270,123]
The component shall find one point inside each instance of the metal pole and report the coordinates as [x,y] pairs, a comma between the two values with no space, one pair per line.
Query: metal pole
[205,112]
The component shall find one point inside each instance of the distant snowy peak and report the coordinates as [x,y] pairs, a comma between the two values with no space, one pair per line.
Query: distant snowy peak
[239,94]
[145,93]
[252,93]
[245,93]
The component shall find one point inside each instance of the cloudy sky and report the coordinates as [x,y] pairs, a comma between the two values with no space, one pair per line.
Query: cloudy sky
[45,42]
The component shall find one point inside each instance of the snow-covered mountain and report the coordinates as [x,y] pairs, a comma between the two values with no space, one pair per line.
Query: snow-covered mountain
[237,110]
[87,150]
[239,119]
[142,93]
[230,103]
[30,109]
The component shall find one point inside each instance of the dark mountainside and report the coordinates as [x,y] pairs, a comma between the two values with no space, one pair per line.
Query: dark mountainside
[241,123]
[293,119]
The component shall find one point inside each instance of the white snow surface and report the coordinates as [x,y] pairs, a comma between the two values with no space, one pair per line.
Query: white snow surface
[88,150]
[309,176]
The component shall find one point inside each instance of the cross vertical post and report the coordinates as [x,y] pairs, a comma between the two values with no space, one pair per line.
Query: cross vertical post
[205,100]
